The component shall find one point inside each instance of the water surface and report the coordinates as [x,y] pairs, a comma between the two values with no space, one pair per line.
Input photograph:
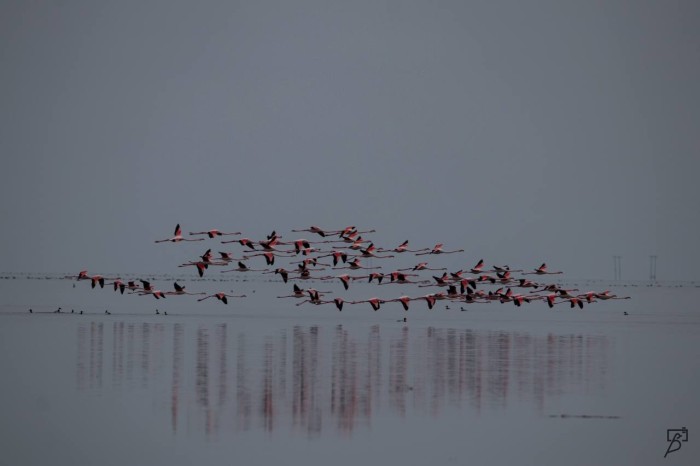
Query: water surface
[261,382]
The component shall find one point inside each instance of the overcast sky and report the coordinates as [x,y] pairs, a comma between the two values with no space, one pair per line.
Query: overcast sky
[524,132]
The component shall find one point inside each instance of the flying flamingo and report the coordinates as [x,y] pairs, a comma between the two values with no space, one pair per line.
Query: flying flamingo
[180,290]
[311,261]
[246,242]
[485,278]
[504,277]
[269,256]
[557,289]
[213,233]
[466,284]
[479,268]
[437,249]
[355,265]
[201,266]
[318,231]
[243,268]
[370,251]
[282,272]
[82,275]
[226,257]
[337,256]
[605,295]
[302,244]
[542,270]
[357,244]
[95,279]
[178,237]
[574,301]
[423,266]
[314,297]
[399,278]
[206,258]
[352,231]
[525,283]
[345,279]
[404,300]
[430,299]
[155,293]
[131,286]
[118,285]
[269,244]
[374,302]
[472,296]
[221,297]
[403,247]
[304,274]
[371,276]
[591,296]
[439,281]
[146,286]
[315,300]
[298,293]
[519,299]
[504,268]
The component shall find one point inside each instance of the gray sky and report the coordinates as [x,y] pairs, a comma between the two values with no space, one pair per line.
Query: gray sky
[523,132]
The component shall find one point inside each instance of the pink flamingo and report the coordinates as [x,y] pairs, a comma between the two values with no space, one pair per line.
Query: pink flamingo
[223,297]
[437,249]
[180,290]
[269,256]
[370,251]
[574,301]
[355,265]
[479,268]
[542,270]
[282,273]
[82,275]
[444,280]
[403,247]
[243,268]
[298,293]
[201,266]
[178,237]
[319,231]
[155,293]
[213,233]
[404,300]
[504,268]
[399,278]
[423,266]
[246,242]
[95,279]
[337,256]
[118,285]
[374,302]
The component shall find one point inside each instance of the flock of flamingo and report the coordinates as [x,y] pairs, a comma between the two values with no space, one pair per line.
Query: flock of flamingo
[345,249]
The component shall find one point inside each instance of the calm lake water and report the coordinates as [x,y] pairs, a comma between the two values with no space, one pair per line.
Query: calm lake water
[262,381]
